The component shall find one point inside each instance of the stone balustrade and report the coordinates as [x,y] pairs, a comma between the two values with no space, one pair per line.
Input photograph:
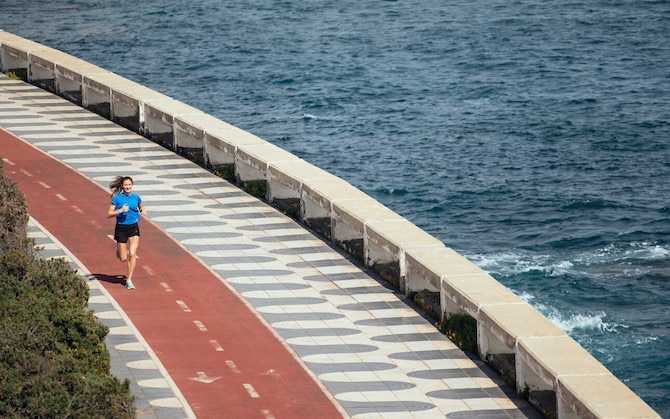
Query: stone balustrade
[544,364]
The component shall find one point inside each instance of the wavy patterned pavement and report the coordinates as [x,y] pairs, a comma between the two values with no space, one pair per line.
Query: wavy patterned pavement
[239,311]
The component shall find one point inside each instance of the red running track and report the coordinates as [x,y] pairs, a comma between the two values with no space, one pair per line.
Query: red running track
[196,325]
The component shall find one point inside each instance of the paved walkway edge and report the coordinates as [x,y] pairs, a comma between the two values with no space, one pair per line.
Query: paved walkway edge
[96,285]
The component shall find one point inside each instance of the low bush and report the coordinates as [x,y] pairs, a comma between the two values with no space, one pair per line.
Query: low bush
[462,330]
[53,358]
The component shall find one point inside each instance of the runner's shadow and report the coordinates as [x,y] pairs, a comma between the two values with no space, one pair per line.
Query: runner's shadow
[112,279]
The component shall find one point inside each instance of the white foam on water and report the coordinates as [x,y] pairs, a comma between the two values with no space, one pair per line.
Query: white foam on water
[582,321]
[573,322]
[645,340]
[514,263]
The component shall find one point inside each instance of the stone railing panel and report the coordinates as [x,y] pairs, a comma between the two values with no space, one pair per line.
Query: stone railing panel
[543,362]
[285,180]
[70,77]
[252,160]
[190,129]
[599,396]
[189,134]
[500,325]
[159,120]
[14,53]
[97,92]
[540,361]
[425,267]
[8,37]
[348,222]
[127,107]
[221,146]
[317,201]
[468,288]
[385,245]
[42,67]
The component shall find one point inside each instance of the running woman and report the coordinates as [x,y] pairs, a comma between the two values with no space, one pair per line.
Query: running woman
[127,207]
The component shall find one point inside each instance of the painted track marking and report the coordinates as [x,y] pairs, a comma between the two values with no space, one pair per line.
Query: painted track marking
[183,306]
[233,367]
[252,392]
[216,345]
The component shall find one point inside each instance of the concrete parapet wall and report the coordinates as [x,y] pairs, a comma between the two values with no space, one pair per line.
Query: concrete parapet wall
[543,359]
[598,396]
[14,52]
[348,219]
[386,242]
[253,160]
[285,180]
[160,118]
[318,197]
[221,146]
[500,325]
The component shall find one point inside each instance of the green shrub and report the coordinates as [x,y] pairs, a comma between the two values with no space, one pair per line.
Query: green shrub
[53,358]
[12,75]
[462,330]
[13,216]
[225,172]
[257,188]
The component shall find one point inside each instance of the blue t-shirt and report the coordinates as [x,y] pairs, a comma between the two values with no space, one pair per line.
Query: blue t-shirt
[133,201]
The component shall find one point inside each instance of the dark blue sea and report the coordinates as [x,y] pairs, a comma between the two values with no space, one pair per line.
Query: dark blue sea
[531,136]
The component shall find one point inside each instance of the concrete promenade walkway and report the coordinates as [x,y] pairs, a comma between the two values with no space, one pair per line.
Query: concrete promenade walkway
[239,311]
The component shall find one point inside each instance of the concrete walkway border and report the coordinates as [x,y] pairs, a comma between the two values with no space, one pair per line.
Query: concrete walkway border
[544,360]
[156,394]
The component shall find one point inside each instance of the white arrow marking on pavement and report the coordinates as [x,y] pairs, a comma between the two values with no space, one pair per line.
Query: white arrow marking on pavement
[203,378]
[272,373]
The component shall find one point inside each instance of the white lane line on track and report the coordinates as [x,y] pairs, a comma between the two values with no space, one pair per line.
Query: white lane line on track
[252,392]
[200,325]
[216,345]
[184,306]
[233,367]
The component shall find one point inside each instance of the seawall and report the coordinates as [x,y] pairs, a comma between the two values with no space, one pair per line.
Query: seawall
[529,351]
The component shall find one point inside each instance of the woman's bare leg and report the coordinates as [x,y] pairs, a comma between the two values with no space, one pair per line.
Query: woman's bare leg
[122,251]
[131,255]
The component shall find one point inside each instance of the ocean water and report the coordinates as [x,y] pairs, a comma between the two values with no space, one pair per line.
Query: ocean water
[531,136]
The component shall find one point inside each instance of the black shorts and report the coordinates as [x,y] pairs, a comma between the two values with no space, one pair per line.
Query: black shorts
[123,231]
